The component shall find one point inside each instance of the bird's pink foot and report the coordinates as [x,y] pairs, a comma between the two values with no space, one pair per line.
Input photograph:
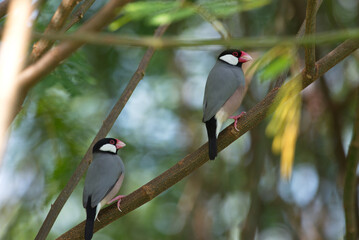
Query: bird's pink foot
[236,119]
[118,199]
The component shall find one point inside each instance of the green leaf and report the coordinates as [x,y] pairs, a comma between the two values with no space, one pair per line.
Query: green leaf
[276,67]
[173,16]
[140,10]
[226,8]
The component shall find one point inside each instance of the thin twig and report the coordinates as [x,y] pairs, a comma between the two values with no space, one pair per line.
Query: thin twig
[300,34]
[197,158]
[105,128]
[76,17]
[310,23]
[211,19]
[56,23]
[301,31]
[172,42]
[350,186]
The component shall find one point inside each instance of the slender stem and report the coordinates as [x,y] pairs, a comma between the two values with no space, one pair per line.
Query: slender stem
[174,42]
[310,22]
[76,17]
[56,23]
[200,156]
[350,184]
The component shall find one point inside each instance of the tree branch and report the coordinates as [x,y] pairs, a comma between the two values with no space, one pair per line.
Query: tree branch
[172,42]
[349,199]
[57,22]
[105,128]
[197,158]
[76,17]
[310,23]
[302,28]
[49,61]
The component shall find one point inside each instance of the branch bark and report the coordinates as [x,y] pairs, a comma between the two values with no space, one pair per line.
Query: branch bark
[105,128]
[76,17]
[350,186]
[200,156]
[49,61]
[56,23]
[310,22]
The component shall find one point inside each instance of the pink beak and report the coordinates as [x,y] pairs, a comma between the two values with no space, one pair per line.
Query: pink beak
[245,57]
[120,144]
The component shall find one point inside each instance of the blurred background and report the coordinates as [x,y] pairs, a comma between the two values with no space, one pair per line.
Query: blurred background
[240,195]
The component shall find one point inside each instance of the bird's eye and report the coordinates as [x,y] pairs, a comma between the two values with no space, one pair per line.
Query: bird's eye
[235,54]
[112,141]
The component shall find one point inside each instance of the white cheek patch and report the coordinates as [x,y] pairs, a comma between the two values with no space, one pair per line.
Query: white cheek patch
[108,148]
[230,59]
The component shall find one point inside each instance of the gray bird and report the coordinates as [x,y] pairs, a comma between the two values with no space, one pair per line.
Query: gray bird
[223,94]
[103,180]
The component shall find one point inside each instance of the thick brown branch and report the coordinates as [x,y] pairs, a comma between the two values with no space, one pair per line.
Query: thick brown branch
[350,184]
[57,22]
[196,159]
[310,22]
[48,62]
[105,128]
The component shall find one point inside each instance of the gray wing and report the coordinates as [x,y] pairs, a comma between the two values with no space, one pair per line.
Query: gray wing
[222,82]
[102,175]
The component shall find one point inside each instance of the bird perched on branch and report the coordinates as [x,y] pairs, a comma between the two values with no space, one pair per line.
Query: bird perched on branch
[103,180]
[223,94]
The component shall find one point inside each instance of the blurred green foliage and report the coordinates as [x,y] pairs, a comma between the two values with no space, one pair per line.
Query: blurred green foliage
[237,196]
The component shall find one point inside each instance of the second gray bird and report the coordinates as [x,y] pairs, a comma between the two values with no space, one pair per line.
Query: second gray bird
[103,180]
[223,94]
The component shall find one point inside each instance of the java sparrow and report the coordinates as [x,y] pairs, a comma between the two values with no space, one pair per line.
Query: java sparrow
[223,94]
[103,180]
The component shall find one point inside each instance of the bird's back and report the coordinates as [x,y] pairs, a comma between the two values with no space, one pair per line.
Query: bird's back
[102,175]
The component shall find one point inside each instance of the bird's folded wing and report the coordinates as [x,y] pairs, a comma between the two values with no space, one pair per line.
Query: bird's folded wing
[221,84]
[101,177]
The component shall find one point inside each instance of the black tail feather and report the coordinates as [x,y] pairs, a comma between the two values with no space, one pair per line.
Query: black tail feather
[211,126]
[90,219]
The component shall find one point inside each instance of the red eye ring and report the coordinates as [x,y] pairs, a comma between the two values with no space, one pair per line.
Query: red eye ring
[112,141]
[235,54]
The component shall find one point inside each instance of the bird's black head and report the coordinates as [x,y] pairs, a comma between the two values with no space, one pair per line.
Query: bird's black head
[108,145]
[234,57]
